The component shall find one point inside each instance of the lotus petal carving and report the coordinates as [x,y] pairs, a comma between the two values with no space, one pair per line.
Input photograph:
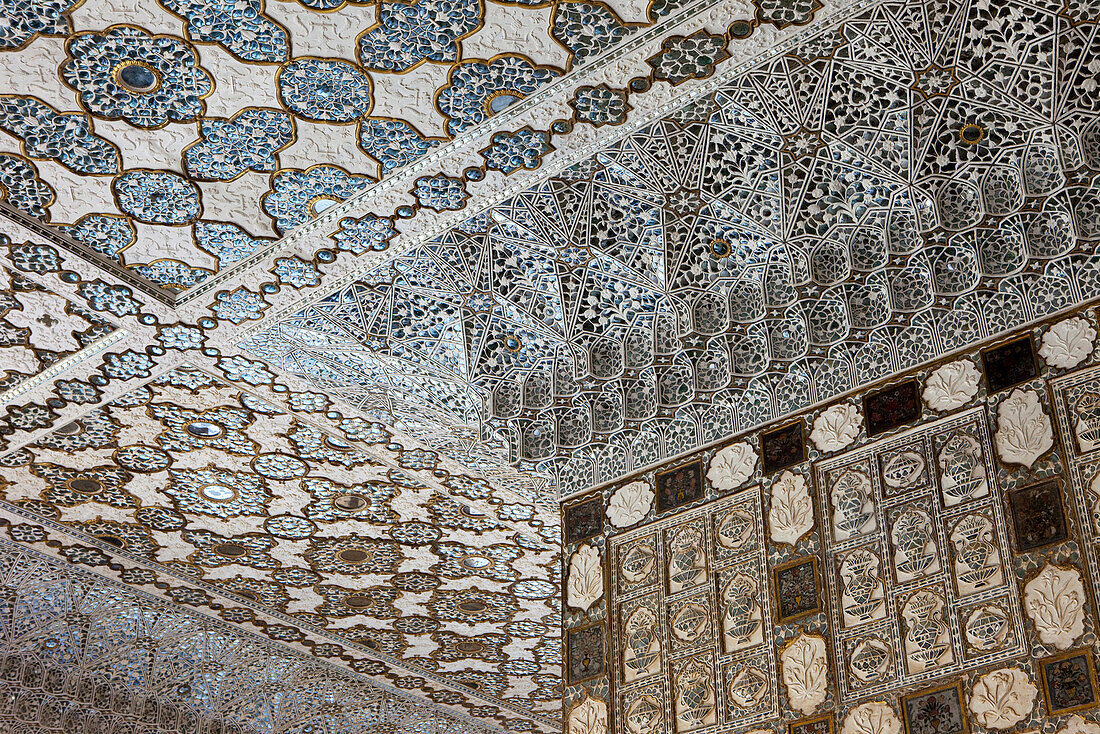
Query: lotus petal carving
[805,672]
[1024,432]
[791,514]
[837,427]
[1002,698]
[873,717]
[732,466]
[585,585]
[1068,343]
[630,504]
[952,385]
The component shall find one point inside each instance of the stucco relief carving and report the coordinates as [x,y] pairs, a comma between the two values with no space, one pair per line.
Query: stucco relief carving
[588,717]
[630,504]
[585,585]
[927,635]
[742,624]
[837,427]
[952,385]
[1068,343]
[1076,725]
[1055,602]
[732,466]
[1002,698]
[642,651]
[863,589]
[805,672]
[853,510]
[791,513]
[872,717]
[1024,432]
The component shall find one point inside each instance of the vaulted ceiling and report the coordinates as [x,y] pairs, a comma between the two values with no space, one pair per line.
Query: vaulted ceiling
[312,309]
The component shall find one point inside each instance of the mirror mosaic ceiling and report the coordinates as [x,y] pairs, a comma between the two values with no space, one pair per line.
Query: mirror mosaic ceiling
[313,309]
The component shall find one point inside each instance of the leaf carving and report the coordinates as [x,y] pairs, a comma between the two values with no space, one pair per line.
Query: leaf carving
[1054,600]
[873,717]
[837,427]
[791,514]
[1002,698]
[732,466]
[1068,343]
[1024,432]
[630,504]
[588,717]
[585,586]
[952,385]
[805,672]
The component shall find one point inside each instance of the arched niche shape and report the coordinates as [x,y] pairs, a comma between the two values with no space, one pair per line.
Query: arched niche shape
[565,375]
[755,406]
[666,334]
[681,434]
[1002,190]
[959,204]
[709,314]
[911,287]
[718,420]
[711,366]
[574,424]
[645,449]
[537,390]
[746,297]
[868,248]
[640,396]
[506,402]
[829,263]
[902,230]
[1090,145]
[1042,173]
[605,358]
[675,384]
[780,278]
[638,345]
[1086,210]
[539,439]
[954,268]
[787,338]
[607,409]
[827,319]
[1050,233]
[749,350]
[793,391]
[869,302]
[610,459]
[1002,250]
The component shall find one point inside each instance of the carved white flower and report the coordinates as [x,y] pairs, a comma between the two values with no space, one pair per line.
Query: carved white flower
[952,385]
[805,672]
[1076,725]
[837,427]
[1002,698]
[1055,602]
[585,585]
[732,466]
[630,504]
[873,717]
[1068,343]
[1024,432]
[588,717]
[791,513]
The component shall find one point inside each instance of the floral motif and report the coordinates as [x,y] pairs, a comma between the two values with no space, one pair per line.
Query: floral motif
[298,196]
[512,151]
[25,21]
[1024,432]
[95,69]
[732,466]
[805,672]
[1003,698]
[587,28]
[791,514]
[250,141]
[588,717]
[1055,602]
[296,272]
[67,137]
[630,504]
[326,90]
[408,33]
[239,305]
[952,385]
[238,26]
[585,585]
[692,57]
[837,427]
[600,105]
[107,234]
[872,717]
[476,90]
[157,197]
[1076,725]
[369,232]
[393,143]
[1068,343]
[21,186]
[225,241]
